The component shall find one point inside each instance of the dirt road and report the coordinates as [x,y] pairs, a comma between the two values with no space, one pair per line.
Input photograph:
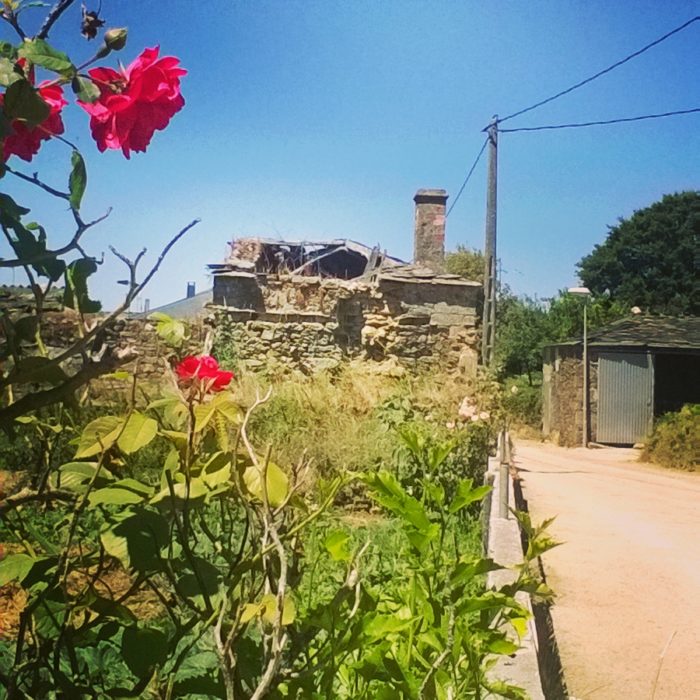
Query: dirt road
[628,575]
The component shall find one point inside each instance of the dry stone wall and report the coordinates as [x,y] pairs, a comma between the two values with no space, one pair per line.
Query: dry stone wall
[60,330]
[309,323]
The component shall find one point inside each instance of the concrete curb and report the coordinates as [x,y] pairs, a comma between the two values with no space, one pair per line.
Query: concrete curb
[504,545]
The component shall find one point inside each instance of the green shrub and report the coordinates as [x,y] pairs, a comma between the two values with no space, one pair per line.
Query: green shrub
[675,440]
[522,401]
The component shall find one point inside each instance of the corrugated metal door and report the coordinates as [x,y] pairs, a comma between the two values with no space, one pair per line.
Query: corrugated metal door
[625,397]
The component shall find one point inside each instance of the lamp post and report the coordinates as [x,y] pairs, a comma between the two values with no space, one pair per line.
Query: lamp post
[585,293]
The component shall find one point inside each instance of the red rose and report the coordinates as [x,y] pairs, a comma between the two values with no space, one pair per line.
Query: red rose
[134,102]
[24,140]
[206,369]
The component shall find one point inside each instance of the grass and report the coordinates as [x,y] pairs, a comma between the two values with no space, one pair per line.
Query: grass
[338,421]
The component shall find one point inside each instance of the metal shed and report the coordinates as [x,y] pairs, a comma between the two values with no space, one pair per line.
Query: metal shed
[639,368]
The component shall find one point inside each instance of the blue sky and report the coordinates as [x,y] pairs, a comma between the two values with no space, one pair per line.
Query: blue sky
[321,119]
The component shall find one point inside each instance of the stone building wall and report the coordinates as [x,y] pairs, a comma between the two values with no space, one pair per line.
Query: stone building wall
[310,323]
[563,396]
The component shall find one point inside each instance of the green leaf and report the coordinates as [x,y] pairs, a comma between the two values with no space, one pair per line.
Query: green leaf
[267,608]
[7,50]
[77,181]
[136,537]
[10,211]
[226,405]
[277,484]
[27,245]
[76,295]
[172,331]
[377,626]
[40,53]
[138,432]
[144,649]
[122,492]
[218,477]
[250,610]
[85,90]
[203,413]
[502,646]
[8,72]
[466,495]
[289,612]
[387,491]
[14,567]
[198,489]
[74,475]
[467,570]
[337,545]
[98,436]
[22,102]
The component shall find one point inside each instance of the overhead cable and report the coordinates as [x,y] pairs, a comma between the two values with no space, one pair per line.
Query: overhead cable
[602,72]
[602,122]
[466,179]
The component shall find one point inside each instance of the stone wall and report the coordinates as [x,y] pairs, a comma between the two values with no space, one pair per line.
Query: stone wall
[563,396]
[309,323]
[60,330]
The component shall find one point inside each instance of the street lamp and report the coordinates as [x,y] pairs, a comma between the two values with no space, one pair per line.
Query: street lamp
[585,293]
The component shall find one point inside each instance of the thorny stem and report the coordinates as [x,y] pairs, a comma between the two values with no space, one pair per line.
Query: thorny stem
[54,14]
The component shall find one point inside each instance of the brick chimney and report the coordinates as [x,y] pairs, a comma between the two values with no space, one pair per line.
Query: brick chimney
[429,236]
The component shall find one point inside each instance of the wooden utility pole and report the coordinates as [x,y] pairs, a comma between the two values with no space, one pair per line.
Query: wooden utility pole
[488,340]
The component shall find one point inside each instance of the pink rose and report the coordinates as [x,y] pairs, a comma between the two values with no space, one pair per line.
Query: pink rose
[205,369]
[24,141]
[134,102]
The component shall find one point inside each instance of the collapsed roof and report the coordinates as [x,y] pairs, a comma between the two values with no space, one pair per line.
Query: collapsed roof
[339,258]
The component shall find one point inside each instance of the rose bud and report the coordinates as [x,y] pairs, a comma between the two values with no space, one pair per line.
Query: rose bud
[115,39]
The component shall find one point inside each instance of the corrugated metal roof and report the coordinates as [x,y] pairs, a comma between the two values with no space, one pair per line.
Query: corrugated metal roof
[190,307]
[681,333]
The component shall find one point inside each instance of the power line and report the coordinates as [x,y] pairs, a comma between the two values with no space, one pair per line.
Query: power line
[466,179]
[603,72]
[602,122]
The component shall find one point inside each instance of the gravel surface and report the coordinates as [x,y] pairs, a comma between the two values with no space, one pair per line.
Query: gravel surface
[627,577]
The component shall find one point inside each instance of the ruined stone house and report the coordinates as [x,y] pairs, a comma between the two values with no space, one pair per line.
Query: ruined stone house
[311,305]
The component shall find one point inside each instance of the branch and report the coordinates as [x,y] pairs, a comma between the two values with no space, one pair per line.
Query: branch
[34,180]
[278,635]
[82,343]
[34,401]
[27,496]
[244,432]
[56,11]
[73,244]
[11,18]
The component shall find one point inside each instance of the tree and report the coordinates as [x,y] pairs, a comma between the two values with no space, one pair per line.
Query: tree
[649,259]
[522,332]
[565,315]
[467,262]
[526,325]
